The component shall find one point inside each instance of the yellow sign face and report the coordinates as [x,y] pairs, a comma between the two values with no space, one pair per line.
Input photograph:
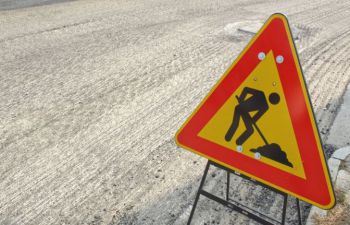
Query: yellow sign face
[274,126]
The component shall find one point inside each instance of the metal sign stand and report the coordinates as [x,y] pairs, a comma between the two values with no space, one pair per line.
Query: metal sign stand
[232,204]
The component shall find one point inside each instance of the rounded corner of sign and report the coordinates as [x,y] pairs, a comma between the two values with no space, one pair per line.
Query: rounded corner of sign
[279,16]
[177,138]
[330,204]
[333,201]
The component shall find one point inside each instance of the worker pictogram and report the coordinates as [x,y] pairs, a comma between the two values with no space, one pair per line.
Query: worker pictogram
[257,103]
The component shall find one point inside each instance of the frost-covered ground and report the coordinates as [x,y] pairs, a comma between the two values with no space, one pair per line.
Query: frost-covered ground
[92,93]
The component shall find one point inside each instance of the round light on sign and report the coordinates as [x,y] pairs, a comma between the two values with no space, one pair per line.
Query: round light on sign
[279,59]
[257,155]
[261,55]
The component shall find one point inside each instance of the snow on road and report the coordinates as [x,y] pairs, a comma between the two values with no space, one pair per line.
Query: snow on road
[92,93]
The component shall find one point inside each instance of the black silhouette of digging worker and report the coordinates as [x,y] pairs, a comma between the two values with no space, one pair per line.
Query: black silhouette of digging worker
[253,100]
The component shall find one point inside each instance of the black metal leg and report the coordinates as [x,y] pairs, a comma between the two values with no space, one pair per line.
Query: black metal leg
[198,192]
[236,206]
[284,209]
[299,212]
[228,186]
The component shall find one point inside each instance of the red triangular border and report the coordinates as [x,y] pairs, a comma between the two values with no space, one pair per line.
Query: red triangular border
[316,188]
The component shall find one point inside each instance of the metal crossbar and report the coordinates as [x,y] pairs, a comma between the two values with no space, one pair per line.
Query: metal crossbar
[238,207]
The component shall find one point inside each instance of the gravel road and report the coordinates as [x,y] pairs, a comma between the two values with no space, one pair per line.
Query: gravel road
[92,93]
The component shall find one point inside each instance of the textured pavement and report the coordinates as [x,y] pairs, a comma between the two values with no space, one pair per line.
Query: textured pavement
[92,93]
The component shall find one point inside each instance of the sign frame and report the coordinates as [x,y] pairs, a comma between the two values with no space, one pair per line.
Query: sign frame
[186,132]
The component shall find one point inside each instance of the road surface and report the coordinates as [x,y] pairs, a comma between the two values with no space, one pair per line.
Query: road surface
[92,93]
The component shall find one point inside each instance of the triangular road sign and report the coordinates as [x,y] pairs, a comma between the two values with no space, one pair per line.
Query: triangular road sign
[258,120]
